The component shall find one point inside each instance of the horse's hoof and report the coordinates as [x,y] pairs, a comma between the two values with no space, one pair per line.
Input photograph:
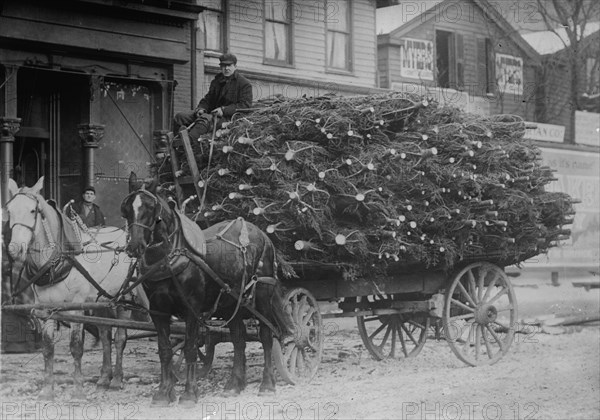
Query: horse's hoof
[162,400]
[103,383]
[187,402]
[116,384]
[233,392]
[266,391]
[160,403]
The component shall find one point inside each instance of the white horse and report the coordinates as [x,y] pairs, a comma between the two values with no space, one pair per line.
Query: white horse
[47,243]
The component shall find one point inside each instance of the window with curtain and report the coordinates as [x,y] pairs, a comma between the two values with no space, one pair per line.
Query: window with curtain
[278,29]
[211,23]
[337,22]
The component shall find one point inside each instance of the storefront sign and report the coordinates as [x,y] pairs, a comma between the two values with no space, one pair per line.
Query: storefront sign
[416,59]
[509,74]
[578,175]
[545,132]
[587,128]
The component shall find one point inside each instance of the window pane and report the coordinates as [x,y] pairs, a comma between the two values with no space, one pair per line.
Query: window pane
[211,25]
[337,50]
[276,41]
[336,15]
[276,10]
[213,4]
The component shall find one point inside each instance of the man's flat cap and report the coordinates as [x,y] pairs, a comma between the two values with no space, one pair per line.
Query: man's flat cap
[227,59]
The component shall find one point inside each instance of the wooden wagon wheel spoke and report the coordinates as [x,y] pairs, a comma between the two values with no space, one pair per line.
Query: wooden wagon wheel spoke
[488,324]
[408,333]
[471,280]
[402,341]
[396,335]
[377,331]
[487,343]
[477,341]
[483,271]
[462,305]
[490,287]
[386,335]
[302,305]
[464,316]
[415,324]
[295,309]
[498,295]
[309,313]
[467,295]
[299,361]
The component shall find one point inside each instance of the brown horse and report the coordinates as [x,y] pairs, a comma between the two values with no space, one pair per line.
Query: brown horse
[63,263]
[181,265]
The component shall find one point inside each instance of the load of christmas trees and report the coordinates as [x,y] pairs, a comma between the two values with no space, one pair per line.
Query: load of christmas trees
[377,180]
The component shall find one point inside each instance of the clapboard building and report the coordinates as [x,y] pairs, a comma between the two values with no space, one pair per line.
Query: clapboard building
[460,51]
[89,87]
[86,85]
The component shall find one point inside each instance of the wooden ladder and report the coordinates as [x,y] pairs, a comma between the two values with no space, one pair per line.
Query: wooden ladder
[176,165]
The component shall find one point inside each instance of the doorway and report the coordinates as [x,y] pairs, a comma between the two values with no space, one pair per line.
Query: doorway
[50,104]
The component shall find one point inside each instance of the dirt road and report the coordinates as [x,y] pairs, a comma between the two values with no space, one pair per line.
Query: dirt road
[544,376]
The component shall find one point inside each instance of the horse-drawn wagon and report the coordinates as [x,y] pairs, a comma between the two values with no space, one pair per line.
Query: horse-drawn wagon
[407,226]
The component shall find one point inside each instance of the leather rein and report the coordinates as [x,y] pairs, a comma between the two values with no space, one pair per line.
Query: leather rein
[57,254]
[201,263]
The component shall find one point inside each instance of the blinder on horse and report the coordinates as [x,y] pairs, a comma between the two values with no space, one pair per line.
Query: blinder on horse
[157,209]
[236,251]
[34,212]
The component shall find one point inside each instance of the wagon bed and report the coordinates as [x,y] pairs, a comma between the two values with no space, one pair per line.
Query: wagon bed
[472,305]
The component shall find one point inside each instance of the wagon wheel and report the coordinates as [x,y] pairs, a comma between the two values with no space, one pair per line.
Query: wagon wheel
[480,313]
[392,335]
[298,360]
[206,355]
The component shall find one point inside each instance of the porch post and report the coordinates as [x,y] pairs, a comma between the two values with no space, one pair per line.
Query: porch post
[8,128]
[90,135]
[9,125]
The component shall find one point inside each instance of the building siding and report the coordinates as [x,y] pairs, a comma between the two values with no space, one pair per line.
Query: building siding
[246,40]
[472,24]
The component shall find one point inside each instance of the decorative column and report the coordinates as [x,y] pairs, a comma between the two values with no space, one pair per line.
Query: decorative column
[90,135]
[8,128]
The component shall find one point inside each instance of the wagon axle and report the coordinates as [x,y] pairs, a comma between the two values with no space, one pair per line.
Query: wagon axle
[486,314]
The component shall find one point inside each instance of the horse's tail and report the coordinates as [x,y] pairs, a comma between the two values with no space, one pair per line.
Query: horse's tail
[273,261]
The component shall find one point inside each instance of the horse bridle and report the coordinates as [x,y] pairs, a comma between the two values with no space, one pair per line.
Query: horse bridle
[37,211]
[157,219]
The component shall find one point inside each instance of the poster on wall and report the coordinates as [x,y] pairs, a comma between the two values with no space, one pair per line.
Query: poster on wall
[576,174]
[416,59]
[509,74]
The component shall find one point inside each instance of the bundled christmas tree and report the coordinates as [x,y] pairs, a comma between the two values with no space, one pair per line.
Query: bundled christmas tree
[377,180]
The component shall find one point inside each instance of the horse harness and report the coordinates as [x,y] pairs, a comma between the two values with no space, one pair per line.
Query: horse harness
[174,265]
[61,261]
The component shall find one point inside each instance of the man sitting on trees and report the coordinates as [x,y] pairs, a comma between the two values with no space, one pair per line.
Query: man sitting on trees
[229,92]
